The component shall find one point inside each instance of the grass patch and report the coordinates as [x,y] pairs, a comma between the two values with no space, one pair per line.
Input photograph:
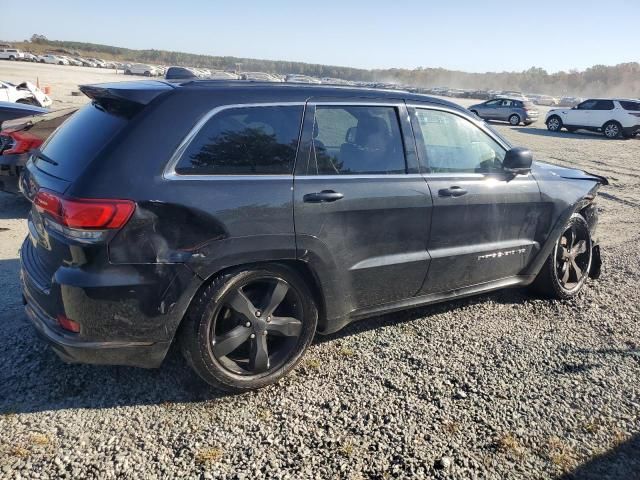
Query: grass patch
[593,426]
[347,449]
[19,451]
[312,364]
[264,414]
[40,439]
[451,427]
[510,445]
[208,455]
[560,454]
[347,352]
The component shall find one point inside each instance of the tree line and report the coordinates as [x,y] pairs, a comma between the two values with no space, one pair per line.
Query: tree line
[619,80]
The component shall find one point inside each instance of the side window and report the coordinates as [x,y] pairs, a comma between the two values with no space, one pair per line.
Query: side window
[493,103]
[628,105]
[587,105]
[245,141]
[452,144]
[356,140]
[507,103]
[604,105]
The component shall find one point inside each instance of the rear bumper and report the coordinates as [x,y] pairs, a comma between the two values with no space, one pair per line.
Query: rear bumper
[128,314]
[73,350]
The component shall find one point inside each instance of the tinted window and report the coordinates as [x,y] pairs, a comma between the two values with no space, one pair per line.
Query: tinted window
[627,105]
[587,105]
[78,141]
[452,144]
[493,103]
[245,141]
[356,140]
[603,105]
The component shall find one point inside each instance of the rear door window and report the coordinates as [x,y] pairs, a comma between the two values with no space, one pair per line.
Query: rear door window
[357,140]
[628,105]
[245,141]
[604,105]
[78,141]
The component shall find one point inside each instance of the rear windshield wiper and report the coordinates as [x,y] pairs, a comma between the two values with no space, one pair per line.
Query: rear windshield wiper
[42,156]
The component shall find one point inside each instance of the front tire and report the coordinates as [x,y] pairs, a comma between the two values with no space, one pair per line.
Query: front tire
[612,129]
[514,120]
[554,123]
[566,270]
[249,327]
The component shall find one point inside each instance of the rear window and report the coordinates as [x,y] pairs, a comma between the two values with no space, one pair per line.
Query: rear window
[78,141]
[245,141]
[633,106]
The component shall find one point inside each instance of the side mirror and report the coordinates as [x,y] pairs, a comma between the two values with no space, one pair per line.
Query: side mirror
[518,161]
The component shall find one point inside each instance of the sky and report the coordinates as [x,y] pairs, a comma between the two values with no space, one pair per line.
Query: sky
[468,35]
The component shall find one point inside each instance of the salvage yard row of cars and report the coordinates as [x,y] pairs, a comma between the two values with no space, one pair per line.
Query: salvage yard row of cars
[148,70]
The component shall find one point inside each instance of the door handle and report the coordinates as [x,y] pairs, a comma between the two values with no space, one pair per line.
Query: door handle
[322,197]
[454,191]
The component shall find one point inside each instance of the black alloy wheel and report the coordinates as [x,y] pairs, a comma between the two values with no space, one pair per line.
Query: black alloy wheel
[257,326]
[249,327]
[567,268]
[573,257]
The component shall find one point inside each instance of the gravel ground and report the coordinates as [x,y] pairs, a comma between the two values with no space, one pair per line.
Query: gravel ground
[497,386]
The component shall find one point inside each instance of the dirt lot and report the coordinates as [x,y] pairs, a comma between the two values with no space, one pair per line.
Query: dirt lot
[499,386]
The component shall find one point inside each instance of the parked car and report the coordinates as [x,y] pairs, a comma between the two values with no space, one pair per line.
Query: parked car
[53,59]
[546,100]
[296,78]
[262,77]
[99,63]
[11,54]
[209,241]
[569,101]
[72,61]
[23,128]
[30,57]
[25,92]
[141,69]
[611,116]
[514,111]
[85,62]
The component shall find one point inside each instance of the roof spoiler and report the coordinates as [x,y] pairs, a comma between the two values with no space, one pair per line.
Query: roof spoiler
[125,98]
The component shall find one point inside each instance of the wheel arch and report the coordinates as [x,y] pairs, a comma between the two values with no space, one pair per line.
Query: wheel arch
[303,269]
[583,206]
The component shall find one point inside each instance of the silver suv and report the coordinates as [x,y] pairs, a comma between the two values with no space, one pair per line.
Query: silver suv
[512,110]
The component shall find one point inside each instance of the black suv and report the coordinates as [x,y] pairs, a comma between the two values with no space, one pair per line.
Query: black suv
[240,218]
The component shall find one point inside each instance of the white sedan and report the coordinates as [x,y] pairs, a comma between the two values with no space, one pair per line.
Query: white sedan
[142,69]
[26,93]
[53,59]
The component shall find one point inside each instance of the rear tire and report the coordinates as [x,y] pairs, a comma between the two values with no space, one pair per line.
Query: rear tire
[234,337]
[514,120]
[554,123]
[612,129]
[567,268]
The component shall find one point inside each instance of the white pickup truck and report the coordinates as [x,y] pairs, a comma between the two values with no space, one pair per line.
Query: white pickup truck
[11,54]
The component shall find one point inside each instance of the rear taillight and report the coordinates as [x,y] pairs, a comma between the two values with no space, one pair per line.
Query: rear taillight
[19,142]
[83,218]
[68,324]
